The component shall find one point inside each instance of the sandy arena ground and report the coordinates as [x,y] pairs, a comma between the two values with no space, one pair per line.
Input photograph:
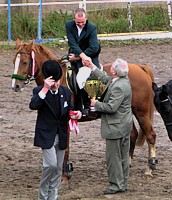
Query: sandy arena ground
[20,162]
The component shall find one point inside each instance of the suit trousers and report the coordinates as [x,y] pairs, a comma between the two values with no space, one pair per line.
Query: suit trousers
[51,172]
[117,159]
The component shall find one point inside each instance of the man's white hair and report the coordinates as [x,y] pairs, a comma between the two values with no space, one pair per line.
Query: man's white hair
[121,67]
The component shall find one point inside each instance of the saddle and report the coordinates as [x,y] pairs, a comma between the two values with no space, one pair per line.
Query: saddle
[70,75]
[93,89]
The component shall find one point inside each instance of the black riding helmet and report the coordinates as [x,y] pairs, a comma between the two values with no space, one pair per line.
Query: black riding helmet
[52,68]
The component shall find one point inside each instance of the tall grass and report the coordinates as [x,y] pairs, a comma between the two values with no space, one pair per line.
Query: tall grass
[24,24]
[154,19]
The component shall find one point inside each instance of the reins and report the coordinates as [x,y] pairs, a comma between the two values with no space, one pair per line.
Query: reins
[168,99]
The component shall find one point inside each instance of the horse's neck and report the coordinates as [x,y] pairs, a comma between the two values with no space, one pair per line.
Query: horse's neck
[106,68]
[40,58]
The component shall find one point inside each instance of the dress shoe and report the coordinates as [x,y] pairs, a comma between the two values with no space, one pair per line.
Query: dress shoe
[110,191]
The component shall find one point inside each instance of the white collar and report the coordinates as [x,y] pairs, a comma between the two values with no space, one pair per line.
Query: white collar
[79,30]
[54,92]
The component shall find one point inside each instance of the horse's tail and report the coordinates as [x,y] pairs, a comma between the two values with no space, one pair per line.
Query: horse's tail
[148,70]
[141,136]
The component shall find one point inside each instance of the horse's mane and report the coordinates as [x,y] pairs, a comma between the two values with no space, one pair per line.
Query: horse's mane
[39,48]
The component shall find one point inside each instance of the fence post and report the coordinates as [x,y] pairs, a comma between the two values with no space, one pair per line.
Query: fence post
[9,20]
[129,14]
[85,4]
[169,12]
[82,4]
[39,39]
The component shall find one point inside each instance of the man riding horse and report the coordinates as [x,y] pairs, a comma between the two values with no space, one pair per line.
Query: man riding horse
[83,42]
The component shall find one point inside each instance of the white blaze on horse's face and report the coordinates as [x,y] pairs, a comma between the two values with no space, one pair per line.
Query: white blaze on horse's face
[16,67]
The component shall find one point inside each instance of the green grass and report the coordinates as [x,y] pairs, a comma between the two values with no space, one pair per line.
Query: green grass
[58,44]
[24,24]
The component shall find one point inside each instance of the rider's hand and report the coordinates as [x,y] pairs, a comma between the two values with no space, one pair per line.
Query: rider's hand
[83,56]
[88,62]
[72,57]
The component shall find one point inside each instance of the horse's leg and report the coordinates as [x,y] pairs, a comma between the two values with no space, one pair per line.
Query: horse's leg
[148,133]
[152,161]
[133,138]
[67,168]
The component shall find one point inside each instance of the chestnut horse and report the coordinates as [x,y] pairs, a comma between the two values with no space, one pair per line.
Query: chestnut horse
[28,61]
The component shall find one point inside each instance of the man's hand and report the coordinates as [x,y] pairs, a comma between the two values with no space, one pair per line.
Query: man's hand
[93,102]
[83,56]
[88,62]
[48,82]
[76,115]
[72,57]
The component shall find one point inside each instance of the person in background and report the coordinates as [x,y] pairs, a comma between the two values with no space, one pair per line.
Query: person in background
[53,104]
[116,122]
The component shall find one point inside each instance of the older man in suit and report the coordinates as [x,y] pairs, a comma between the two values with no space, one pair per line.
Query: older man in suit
[116,122]
[53,103]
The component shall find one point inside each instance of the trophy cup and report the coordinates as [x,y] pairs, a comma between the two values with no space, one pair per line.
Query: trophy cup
[92,87]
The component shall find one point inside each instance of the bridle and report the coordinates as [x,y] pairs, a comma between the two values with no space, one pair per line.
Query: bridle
[164,101]
[31,70]
[168,99]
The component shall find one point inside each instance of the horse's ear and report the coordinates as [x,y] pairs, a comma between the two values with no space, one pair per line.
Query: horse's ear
[33,41]
[18,43]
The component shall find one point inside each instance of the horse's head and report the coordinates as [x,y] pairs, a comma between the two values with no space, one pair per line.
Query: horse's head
[28,63]
[163,104]
[24,62]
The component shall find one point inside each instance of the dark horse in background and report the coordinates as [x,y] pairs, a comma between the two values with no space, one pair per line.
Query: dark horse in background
[163,104]
[28,62]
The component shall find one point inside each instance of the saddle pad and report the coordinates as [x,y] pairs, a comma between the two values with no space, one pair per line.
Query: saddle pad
[82,76]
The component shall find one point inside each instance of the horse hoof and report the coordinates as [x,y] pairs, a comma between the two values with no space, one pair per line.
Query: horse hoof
[130,162]
[148,174]
[152,163]
[64,186]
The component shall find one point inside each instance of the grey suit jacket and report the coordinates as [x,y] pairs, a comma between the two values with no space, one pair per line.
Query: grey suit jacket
[116,112]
